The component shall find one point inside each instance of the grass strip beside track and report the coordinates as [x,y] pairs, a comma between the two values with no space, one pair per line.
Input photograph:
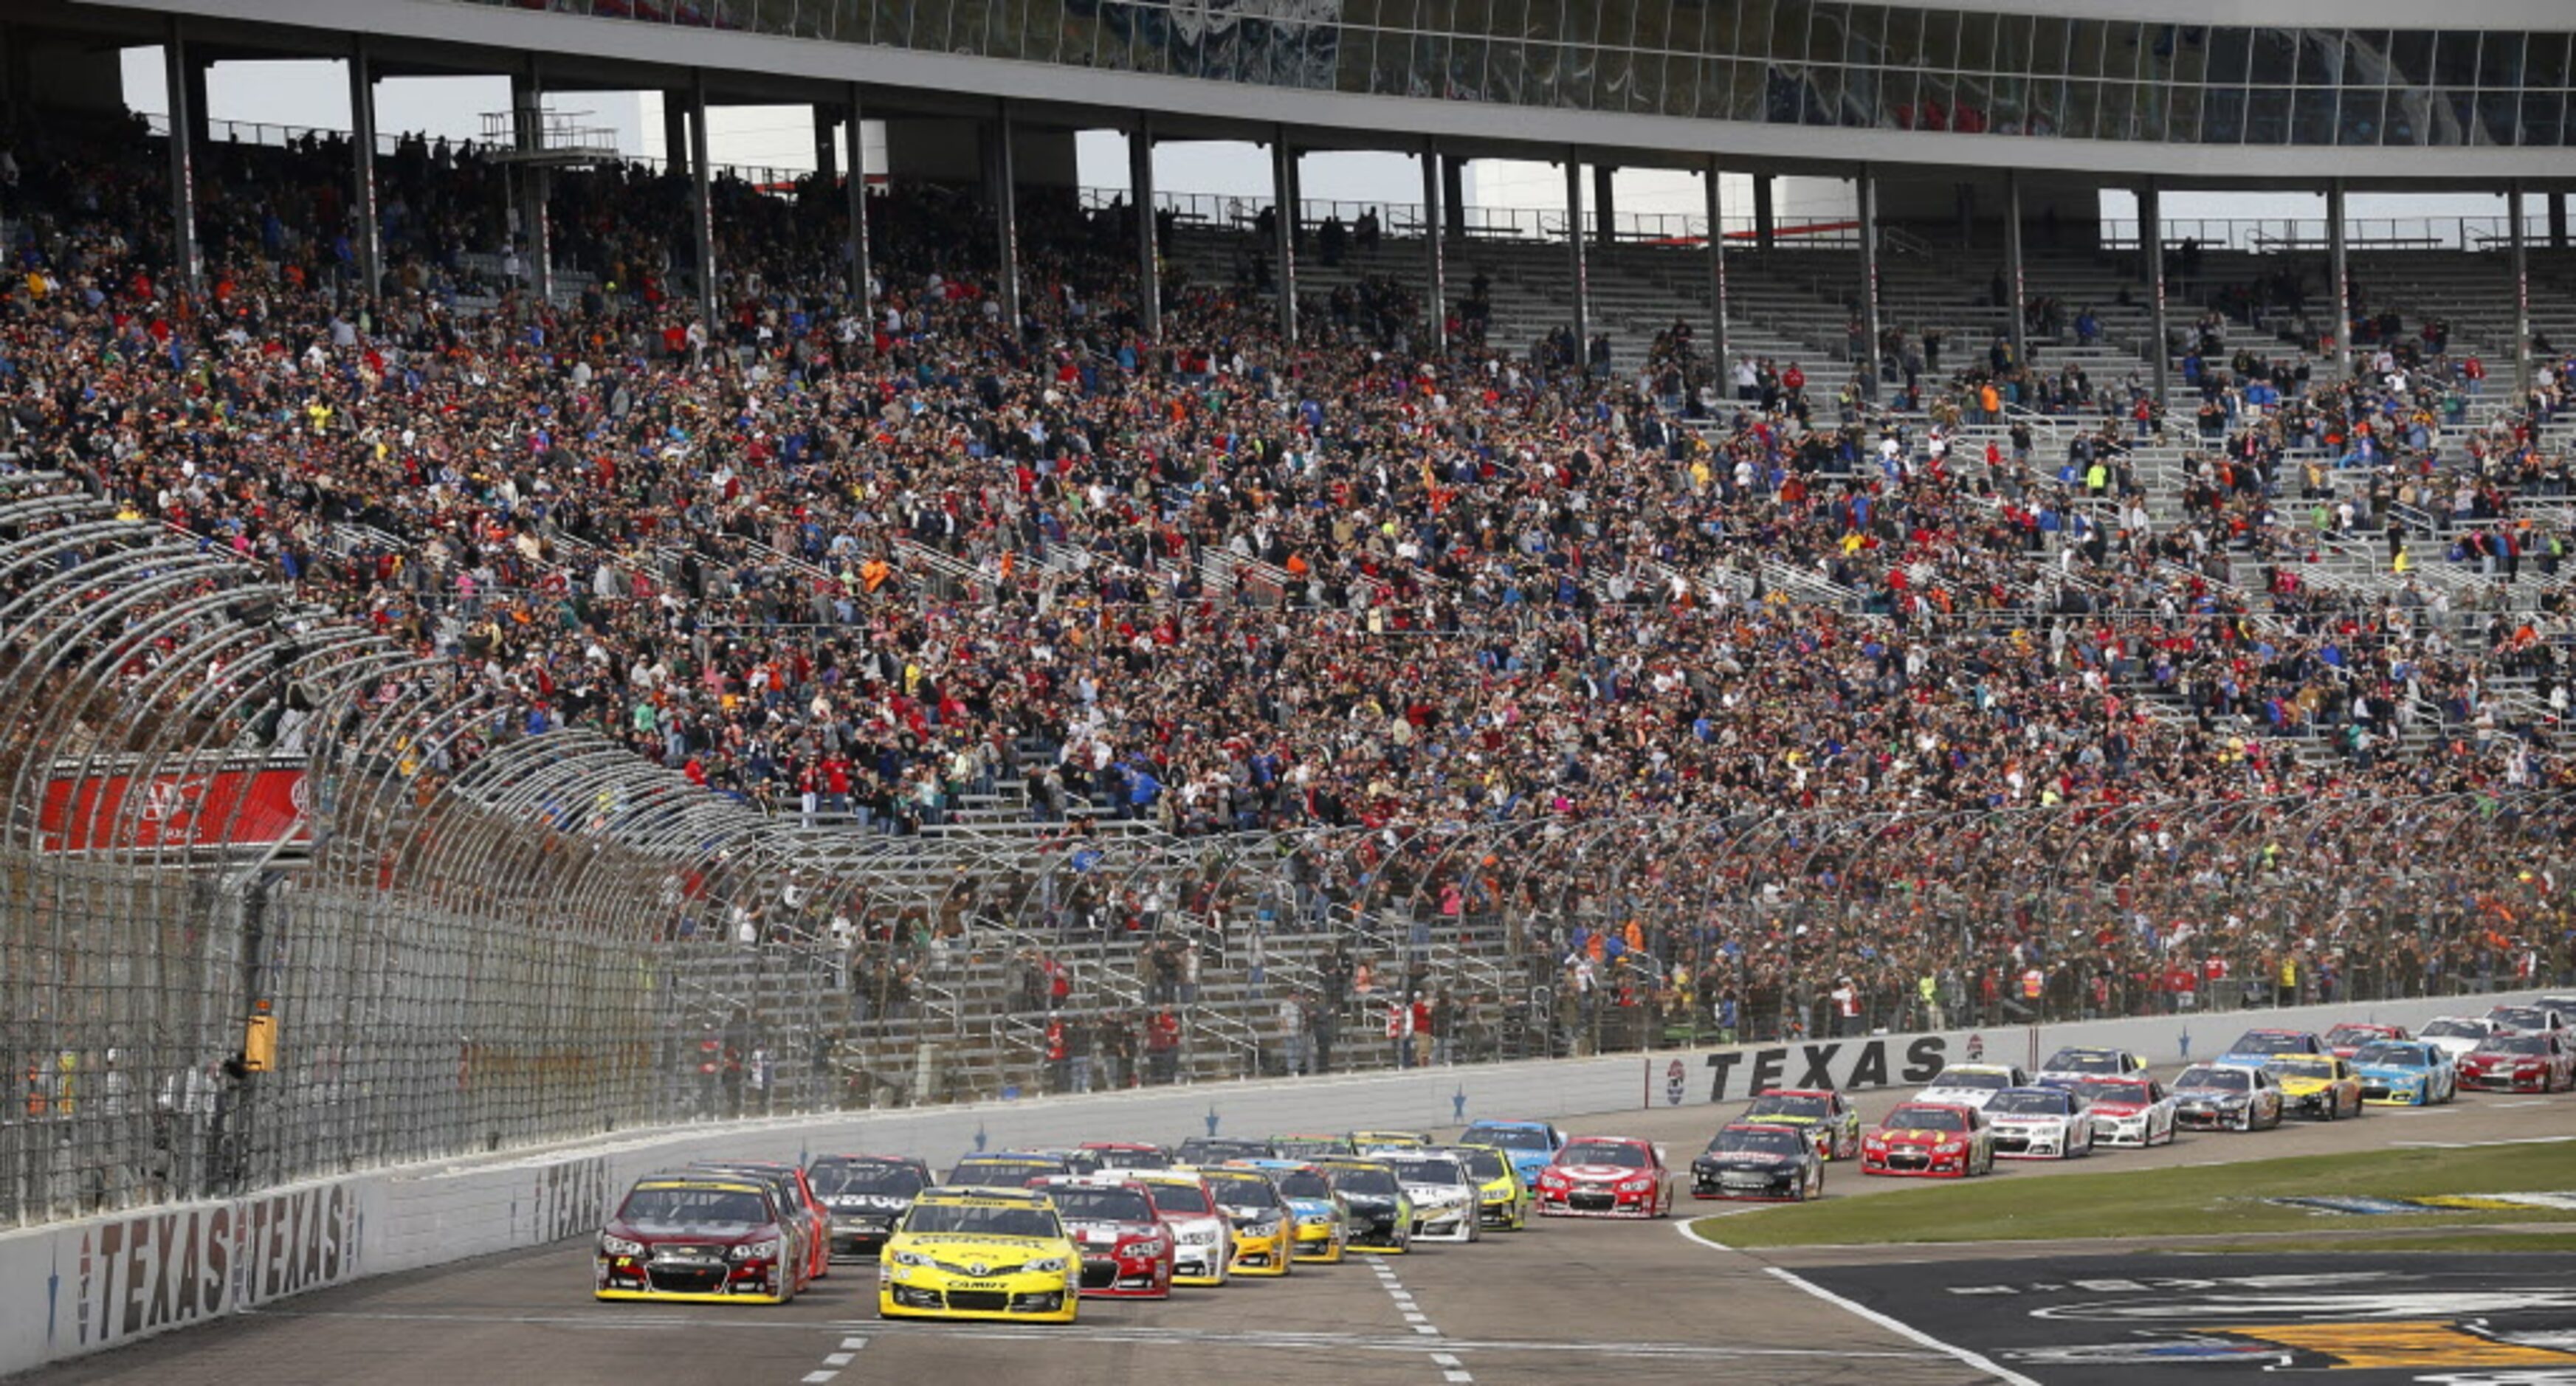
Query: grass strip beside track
[2174,1201]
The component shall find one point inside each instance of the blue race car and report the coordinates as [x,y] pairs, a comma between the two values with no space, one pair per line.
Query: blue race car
[1323,1219]
[2406,1073]
[1532,1145]
[2255,1048]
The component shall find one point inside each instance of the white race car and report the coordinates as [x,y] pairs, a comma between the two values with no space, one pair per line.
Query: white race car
[1443,1193]
[2075,1062]
[2133,1110]
[1973,1085]
[2458,1034]
[2040,1124]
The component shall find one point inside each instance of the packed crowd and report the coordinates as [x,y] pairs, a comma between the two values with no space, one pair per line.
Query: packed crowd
[871,568]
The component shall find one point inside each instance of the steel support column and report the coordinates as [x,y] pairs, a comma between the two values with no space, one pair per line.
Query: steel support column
[2519,243]
[675,132]
[1283,204]
[2016,300]
[1149,243]
[1435,221]
[1766,225]
[827,145]
[1717,344]
[1006,212]
[186,256]
[1865,187]
[1604,206]
[1574,252]
[2341,271]
[2558,221]
[533,185]
[1453,194]
[2151,249]
[366,240]
[703,205]
[862,282]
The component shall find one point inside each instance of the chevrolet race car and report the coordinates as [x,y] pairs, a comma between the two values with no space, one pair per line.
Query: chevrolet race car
[2458,1034]
[2406,1073]
[1381,1216]
[1606,1177]
[795,1197]
[1265,1231]
[1827,1117]
[1446,1201]
[1014,1169]
[1972,1085]
[1203,1236]
[1502,1200]
[1111,1155]
[2130,1110]
[2257,1048]
[1323,1220]
[2084,1061]
[867,1195]
[1216,1150]
[702,1237]
[1528,1144]
[2226,1097]
[2529,1019]
[2317,1085]
[2037,1123]
[2541,1063]
[1126,1250]
[1312,1147]
[2346,1039]
[1930,1140]
[1750,1160]
[973,1253]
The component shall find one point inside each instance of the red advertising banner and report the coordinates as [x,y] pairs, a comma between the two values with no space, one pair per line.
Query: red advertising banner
[248,807]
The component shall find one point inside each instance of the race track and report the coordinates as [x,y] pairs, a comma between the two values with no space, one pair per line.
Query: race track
[1591,1301]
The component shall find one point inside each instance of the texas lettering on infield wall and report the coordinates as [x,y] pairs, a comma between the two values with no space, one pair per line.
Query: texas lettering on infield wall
[1848,1063]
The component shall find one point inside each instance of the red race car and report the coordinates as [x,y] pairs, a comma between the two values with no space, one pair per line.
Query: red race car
[1126,1249]
[1930,1140]
[2541,1061]
[2348,1038]
[1606,1177]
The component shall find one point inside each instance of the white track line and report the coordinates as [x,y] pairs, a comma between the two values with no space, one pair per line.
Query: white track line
[1904,1329]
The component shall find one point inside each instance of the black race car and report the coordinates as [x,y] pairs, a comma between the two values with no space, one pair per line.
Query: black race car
[867,1195]
[1752,1160]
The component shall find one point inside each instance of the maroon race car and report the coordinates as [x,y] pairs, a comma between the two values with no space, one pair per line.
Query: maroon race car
[1606,1177]
[2348,1038]
[1930,1140]
[703,1236]
[1126,1249]
[2542,1061]
[795,1195]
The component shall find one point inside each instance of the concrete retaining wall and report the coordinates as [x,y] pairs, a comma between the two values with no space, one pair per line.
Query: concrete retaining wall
[78,1287]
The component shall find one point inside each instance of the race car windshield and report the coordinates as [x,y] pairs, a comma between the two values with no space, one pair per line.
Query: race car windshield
[693,1207]
[1507,1137]
[2456,1029]
[1367,1183]
[2099,1091]
[1602,1153]
[2029,1104]
[1306,1184]
[1971,1078]
[983,1220]
[1131,1159]
[2268,1042]
[836,1177]
[2301,1068]
[2216,1080]
[2353,1034]
[1428,1171]
[1002,1174]
[1180,1198]
[1764,1142]
[1245,1193]
[1926,1119]
[2085,1061]
[2388,1052]
[2517,1044]
[1776,1104]
[1102,1205]
[1486,1166]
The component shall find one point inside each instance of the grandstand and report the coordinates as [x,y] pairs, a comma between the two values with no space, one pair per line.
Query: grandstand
[561,643]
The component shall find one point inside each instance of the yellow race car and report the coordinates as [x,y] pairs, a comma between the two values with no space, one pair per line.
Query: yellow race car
[1265,1227]
[1366,1141]
[978,1253]
[2316,1085]
[1502,1200]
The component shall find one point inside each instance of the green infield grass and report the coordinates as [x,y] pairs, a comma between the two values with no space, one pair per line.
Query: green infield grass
[2171,1201]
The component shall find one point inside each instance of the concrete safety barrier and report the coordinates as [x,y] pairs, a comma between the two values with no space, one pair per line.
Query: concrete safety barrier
[73,1288]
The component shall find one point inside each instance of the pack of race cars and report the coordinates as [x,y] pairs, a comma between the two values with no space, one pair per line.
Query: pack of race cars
[2087,1099]
[1028,1235]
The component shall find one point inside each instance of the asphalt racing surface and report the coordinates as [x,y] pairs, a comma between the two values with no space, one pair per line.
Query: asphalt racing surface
[1565,1300]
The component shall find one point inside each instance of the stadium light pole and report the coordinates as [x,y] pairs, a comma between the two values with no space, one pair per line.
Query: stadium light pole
[1149,245]
[1574,252]
[1006,212]
[1435,221]
[2337,267]
[365,242]
[1709,180]
[1866,188]
[862,283]
[2017,324]
[175,68]
[703,204]
[2519,243]
[1283,204]
[2151,249]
